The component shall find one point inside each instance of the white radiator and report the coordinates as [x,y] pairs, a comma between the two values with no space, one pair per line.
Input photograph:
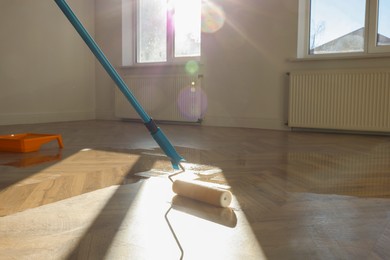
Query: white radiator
[164,97]
[343,100]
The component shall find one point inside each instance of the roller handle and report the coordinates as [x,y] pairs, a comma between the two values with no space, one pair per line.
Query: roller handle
[157,134]
[102,58]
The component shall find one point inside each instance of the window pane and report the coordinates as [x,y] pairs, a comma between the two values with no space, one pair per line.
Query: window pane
[152,31]
[337,26]
[187,28]
[384,22]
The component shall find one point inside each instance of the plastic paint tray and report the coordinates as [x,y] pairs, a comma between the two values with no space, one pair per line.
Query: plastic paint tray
[28,142]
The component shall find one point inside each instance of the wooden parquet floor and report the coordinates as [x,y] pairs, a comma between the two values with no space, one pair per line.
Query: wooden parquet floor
[106,195]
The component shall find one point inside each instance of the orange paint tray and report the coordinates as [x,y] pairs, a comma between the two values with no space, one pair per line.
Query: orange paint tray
[28,142]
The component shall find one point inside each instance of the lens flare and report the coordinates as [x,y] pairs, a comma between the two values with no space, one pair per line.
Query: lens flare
[192,67]
[192,102]
[213,17]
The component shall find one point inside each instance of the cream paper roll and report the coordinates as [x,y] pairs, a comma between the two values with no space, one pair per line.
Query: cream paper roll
[201,192]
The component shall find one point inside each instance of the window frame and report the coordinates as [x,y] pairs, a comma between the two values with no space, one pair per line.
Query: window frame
[170,51]
[373,29]
[370,32]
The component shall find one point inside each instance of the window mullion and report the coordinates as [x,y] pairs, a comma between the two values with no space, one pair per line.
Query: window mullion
[372,28]
[303,28]
[170,34]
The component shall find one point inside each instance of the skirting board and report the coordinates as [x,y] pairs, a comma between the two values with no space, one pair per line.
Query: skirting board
[17,119]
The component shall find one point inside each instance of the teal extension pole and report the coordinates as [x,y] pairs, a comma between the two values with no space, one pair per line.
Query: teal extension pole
[154,130]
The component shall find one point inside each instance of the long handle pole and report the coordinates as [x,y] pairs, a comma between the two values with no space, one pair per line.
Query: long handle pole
[155,131]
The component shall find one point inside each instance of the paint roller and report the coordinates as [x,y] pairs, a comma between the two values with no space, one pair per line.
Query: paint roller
[202,192]
[197,190]
[211,195]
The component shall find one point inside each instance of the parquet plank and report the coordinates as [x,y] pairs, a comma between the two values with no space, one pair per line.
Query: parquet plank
[297,195]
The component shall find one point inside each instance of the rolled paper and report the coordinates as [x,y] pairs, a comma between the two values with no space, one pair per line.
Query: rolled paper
[202,192]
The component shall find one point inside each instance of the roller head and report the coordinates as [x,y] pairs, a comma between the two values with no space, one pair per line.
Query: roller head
[201,192]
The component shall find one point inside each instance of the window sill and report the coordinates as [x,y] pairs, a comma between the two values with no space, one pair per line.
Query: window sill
[158,69]
[340,57]
[153,65]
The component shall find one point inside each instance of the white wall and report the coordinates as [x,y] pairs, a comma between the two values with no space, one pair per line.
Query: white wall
[244,64]
[46,71]
[108,34]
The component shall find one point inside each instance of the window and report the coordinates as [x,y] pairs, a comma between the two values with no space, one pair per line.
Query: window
[337,26]
[343,27]
[168,31]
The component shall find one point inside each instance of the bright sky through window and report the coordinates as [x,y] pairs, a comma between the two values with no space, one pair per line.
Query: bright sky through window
[384,20]
[152,31]
[331,19]
[343,28]
[187,17]
[159,39]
